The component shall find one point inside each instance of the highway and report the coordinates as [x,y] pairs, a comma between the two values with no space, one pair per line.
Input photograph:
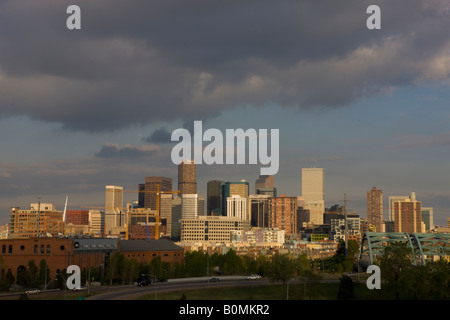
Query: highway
[135,292]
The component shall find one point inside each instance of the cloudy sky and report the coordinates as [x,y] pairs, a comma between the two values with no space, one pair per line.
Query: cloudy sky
[80,109]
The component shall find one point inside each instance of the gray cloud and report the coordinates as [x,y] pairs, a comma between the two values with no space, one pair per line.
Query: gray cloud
[159,136]
[139,62]
[127,151]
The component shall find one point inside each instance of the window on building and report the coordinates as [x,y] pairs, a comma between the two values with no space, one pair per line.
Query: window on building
[35,248]
[4,248]
[10,248]
[48,248]
[42,248]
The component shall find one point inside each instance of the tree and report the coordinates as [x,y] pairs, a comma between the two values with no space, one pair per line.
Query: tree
[282,269]
[6,279]
[195,264]
[44,273]
[397,257]
[233,264]
[114,267]
[343,263]
[32,274]
[346,290]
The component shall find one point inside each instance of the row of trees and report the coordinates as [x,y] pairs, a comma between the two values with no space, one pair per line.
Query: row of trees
[400,278]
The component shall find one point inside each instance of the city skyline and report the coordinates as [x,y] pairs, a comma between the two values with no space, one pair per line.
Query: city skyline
[82,109]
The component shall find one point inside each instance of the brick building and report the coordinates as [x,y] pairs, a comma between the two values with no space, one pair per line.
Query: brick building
[59,253]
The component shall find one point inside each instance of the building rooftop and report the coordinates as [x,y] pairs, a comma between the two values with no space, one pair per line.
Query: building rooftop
[148,245]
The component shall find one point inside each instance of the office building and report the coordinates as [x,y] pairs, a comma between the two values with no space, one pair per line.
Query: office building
[141,195]
[237,207]
[353,228]
[41,220]
[313,191]
[407,215]
[114,211]
[176,219]
[97,223]
[303,217]
[151,187]
[265,184]
[375,208]
[259,210]
[187,182]
[142,224]
[393,199]
[192,206]
[217,229]
[165,210]
[427,218]
[213,198]
[77,217]
[229,189]
[283,214]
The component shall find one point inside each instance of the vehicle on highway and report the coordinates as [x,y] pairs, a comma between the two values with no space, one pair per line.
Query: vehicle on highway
[213,280]
[253,277]
[33,291]
[144,282]
[80,289]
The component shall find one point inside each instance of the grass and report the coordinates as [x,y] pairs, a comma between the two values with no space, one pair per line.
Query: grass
[319,291]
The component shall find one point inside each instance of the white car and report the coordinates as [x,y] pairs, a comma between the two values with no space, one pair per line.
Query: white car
[33,291]
[253,277]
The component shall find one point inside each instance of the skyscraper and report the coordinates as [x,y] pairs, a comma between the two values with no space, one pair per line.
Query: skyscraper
[192,206]
[265,184]
[259,210]
[229,189]
[427,218]
[393,199]
[407,215]
[151,184]
[313,192]
[283,214]
[187,183]
[213,196]
[375,208]
[113,207]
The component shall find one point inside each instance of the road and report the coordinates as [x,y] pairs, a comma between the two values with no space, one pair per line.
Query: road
[135,292]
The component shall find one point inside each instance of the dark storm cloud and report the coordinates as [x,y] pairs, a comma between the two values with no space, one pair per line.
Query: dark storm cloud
[138,62]
[127,151]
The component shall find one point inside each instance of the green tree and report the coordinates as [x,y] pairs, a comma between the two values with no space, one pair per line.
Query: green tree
[344,263]
[396,258]
[282,269]
[233,264]
[130,270]
[429,281]
[195,264]
[114,268]
[32,274]
[6,278]
[44,273]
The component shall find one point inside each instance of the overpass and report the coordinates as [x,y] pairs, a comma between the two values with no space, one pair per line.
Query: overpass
[423,246]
